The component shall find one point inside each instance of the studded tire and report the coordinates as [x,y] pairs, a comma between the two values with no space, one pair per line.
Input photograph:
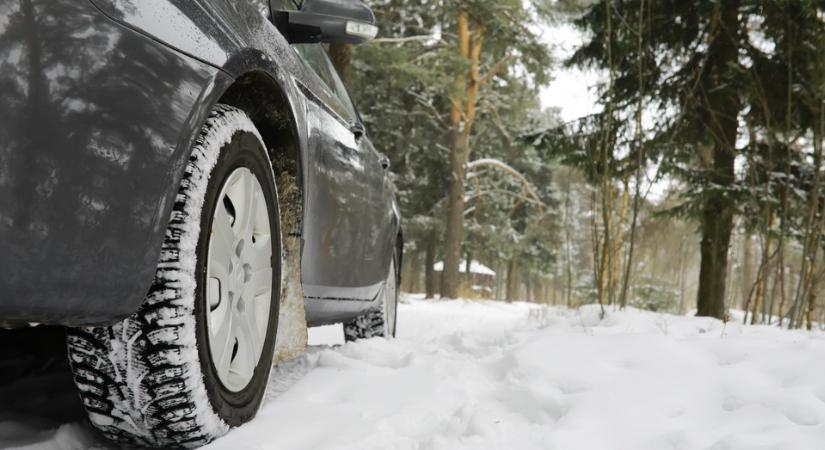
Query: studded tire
[380,321]
[149,379]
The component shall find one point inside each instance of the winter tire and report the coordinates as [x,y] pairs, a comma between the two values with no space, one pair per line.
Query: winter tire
[195,360]
[379,322]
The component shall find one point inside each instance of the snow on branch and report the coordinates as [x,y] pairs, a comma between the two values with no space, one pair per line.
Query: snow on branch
[405,39]
[525,184]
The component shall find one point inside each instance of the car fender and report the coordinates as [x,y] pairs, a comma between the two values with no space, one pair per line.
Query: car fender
[198,30]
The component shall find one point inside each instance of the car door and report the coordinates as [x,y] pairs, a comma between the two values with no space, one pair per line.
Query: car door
[343,222]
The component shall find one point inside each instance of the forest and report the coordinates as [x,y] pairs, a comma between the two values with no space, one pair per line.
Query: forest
[695,185]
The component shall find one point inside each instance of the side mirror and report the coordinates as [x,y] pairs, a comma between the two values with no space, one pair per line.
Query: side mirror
[326,21]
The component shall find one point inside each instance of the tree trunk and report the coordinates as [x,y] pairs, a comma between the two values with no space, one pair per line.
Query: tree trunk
[813,225]
[783,201]
[716,233]
[809,313]
[606,258]
[429,262]
[628,268]
[746,274]
[618,241]
[341,56]
[510,293]
[818,224]
[498,281]
[461,122]
[764,273]
[568,246]
[640,161]
[450,281]
[682,275]
[528,288]
[414,274]
[721,111]
[771,305]
[783,294]
[717,225]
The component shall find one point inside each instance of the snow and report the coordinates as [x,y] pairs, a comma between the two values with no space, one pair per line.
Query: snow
[475,267]
[491,375]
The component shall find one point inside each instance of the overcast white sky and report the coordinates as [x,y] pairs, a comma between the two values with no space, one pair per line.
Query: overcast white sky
[572,90]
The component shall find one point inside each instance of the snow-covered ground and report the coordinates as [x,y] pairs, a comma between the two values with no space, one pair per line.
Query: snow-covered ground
[488,375]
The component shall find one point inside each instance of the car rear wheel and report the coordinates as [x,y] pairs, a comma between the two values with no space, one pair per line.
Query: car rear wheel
[195,360]
[380,322]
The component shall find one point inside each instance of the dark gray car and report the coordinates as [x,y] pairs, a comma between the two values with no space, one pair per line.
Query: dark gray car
[169,171]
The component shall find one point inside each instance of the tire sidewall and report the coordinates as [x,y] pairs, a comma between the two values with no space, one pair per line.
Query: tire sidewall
[235,408]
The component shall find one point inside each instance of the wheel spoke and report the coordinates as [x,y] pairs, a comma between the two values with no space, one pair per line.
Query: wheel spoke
[245,207]
[260,218]
[220,252]
[260,253]
[222,339]
[249,328]
[259,284]
[246,358]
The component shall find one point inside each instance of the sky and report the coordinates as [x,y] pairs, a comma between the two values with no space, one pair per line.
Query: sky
[572,90]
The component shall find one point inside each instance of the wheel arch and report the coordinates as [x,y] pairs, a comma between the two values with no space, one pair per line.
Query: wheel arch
[263,99]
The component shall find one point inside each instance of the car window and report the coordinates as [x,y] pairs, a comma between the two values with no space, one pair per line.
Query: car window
[315,56]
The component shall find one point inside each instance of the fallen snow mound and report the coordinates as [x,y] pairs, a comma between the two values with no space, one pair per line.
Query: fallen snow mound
[489,375]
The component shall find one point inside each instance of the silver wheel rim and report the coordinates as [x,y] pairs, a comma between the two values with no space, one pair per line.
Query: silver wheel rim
[238,279]
[390,303]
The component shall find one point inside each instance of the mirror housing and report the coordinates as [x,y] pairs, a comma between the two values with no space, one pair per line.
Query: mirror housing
[326,21]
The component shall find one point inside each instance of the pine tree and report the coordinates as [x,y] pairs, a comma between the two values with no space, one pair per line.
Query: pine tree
[694,78]
[441,80]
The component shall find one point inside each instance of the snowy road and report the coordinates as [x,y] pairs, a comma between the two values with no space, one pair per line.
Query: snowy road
[486,375]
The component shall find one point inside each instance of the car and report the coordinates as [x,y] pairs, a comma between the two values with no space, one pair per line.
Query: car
[172,174]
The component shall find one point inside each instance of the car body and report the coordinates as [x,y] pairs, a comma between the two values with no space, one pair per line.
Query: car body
[100,103]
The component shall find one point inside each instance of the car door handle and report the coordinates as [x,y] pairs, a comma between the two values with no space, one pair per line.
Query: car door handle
[358,130]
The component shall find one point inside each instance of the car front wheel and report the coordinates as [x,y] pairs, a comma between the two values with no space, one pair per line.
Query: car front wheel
[195,360]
